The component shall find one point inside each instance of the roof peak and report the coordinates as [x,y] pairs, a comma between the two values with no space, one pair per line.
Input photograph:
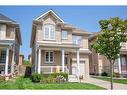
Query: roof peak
[4,18]
[52,13]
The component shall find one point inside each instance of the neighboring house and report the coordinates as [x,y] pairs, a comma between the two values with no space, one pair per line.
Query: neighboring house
[58,46]
[100,64]
[10,41]
[21,59]
[21,68]
[30,58]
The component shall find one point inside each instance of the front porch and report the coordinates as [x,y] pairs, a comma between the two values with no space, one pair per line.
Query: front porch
[121,66]
[62,59]
[6,59]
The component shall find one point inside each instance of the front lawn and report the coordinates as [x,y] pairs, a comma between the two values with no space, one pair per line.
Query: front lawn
[123,81]
[25,83]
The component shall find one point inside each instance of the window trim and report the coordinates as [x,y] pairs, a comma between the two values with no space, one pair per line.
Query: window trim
[49,36]
[77,43]
[62,35]
[3,57]
[48,57]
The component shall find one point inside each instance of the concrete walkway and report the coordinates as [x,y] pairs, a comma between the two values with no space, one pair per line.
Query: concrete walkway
[105,84]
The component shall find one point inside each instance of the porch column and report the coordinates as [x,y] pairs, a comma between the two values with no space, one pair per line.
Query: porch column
[7,57]
[78,62]
[119,65]
[12,63]
[63,60]
[39,60]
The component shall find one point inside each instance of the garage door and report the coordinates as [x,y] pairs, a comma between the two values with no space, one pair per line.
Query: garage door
[82,68]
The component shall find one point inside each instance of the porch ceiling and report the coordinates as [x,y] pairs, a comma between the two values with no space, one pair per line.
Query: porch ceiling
[58,47]
[5,43]
[123,51]
[68,46]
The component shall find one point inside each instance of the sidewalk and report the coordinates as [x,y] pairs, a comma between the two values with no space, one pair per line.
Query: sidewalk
[105,84]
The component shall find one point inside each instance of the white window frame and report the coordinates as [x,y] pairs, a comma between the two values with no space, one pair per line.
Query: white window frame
[64,38]
[49,36]
[2,31]
[3,56]
[76,42]
[49,57]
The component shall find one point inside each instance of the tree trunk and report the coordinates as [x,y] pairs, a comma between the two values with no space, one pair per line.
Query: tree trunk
[111,71]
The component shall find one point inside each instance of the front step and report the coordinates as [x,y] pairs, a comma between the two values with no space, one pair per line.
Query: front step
[72,78]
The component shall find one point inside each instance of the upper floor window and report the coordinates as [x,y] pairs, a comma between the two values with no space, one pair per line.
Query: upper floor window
[77,40]
[2,31]
[49,32]
[64,34]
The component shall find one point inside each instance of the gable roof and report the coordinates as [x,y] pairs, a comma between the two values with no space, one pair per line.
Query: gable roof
[4,18]
[52,12]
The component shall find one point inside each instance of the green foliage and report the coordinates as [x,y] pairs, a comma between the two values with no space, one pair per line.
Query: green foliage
[113,32]
[49,79]
[2,79]
[65,75]
[27,63]
[54,78]
[21,83]
[35,77]
[111,35]
[104,74]
[27,72]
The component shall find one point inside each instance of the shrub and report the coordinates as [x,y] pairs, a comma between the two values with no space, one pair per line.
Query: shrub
[35,77]
[2,78]
[65,75]
[27,72]
[60,79]
[21,82]
[104,74]
[49,79]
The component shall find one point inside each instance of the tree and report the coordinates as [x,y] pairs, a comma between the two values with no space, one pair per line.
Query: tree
[107,43]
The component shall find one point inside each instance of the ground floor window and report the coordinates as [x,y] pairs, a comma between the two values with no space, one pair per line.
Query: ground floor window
[2,69]
[49,56]
[2,56]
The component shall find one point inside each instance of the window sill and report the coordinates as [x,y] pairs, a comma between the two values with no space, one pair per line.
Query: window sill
[48,62]
[65,39]
[50,40]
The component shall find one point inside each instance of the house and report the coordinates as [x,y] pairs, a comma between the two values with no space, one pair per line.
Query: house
[30,58]
[58,46]
[21,59]
[100,64]
[21,68]
[10,41]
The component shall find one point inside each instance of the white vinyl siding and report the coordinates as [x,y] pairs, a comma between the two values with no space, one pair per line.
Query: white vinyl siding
[49,57]
[64,34]
[49,32]
[2,31]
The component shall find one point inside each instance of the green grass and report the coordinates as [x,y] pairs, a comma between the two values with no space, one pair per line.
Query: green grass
[25,83]
[122,81]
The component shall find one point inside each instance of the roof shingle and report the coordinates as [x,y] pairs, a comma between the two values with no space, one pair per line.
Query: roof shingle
[4,18]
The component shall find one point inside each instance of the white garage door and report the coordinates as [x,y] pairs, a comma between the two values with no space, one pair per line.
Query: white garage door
[82,68]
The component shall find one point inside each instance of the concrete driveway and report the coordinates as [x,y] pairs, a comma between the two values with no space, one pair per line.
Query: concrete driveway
[105,84]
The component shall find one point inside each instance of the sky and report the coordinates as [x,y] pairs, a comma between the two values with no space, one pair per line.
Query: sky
[84,17]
